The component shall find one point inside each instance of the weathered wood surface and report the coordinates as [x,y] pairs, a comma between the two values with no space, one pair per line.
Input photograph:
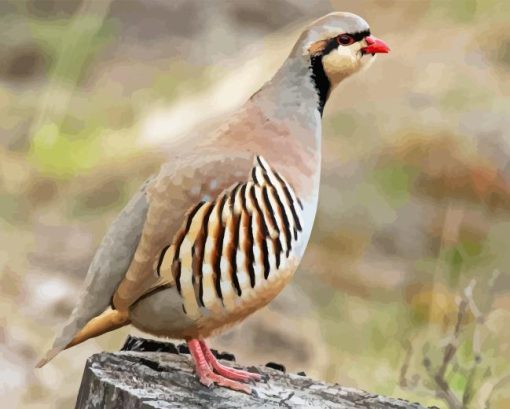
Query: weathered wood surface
[165,379]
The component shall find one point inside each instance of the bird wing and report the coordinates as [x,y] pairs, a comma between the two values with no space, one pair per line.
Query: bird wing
[177,190]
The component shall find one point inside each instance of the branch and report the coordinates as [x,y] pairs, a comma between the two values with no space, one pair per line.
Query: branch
[443,388]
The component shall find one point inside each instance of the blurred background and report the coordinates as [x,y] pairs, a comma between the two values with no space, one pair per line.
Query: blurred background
[405,287]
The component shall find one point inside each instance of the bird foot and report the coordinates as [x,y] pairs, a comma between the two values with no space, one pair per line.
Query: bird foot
[226,371]
[210,371]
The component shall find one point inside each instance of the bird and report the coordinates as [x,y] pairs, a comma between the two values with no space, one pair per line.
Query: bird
[221,229]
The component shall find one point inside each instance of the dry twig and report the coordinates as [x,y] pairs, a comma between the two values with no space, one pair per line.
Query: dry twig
[466,305]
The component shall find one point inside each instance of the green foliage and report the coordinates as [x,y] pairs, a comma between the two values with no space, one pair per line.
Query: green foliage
[71,44]
[61,155]
[395,181]
[463,258]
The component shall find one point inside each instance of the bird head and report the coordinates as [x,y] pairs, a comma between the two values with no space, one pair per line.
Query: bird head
[338,45]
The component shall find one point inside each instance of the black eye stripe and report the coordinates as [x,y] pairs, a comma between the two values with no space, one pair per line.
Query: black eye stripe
[360,35]
[330,46]
[333,43]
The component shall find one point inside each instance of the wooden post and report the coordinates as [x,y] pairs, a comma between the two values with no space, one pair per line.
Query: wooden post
[151,374]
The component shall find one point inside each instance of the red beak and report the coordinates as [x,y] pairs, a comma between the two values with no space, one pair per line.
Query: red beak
[374,45]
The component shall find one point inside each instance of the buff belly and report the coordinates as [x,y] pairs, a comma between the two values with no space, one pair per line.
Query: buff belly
[162,313]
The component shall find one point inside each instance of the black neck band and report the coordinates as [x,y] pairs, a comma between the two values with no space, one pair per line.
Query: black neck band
[320,80]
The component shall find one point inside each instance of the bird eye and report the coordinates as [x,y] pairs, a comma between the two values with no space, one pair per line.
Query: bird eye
[345,39]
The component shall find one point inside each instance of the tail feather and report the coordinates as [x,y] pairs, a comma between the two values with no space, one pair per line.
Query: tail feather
[105,273]
[106,322]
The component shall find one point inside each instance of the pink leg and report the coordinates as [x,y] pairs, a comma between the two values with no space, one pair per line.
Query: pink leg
[205,374]
[227,372]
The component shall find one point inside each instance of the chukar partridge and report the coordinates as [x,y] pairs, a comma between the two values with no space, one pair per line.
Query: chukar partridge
[220,231]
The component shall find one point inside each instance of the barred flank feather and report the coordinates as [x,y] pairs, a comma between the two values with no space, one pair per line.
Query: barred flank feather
[230,247]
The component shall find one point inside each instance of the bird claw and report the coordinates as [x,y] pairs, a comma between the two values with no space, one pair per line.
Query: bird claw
[208,379]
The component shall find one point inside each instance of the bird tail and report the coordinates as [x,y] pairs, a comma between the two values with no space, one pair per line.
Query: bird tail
[106,322]
[91,316]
